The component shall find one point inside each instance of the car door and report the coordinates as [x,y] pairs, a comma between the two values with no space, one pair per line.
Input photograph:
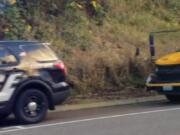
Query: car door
[9,75]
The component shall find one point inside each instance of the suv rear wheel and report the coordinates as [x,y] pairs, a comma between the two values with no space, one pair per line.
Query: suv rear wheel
[31,106]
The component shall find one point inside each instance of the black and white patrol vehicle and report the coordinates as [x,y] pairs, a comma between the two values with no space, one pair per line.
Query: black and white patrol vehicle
[32,80]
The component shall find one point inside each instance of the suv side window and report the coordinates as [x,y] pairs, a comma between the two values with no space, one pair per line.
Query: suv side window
[6,57]
[31,48]
[39,52]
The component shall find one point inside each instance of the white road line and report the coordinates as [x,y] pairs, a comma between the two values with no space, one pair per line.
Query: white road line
[90,119]
[13,127]
[20,127]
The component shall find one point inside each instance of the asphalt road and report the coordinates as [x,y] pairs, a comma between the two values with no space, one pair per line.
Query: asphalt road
[152,118]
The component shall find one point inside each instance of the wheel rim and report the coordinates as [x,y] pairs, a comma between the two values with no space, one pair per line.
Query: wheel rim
[33,106]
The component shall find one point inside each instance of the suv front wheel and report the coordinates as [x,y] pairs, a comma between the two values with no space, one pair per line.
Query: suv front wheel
[31,106]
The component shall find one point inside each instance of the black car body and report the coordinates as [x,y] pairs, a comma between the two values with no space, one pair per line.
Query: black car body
[32,80]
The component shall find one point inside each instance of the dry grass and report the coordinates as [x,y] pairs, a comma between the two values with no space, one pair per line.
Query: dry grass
[110,63]
[98,43]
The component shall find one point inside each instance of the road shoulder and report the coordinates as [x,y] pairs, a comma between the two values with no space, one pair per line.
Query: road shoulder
[108,103]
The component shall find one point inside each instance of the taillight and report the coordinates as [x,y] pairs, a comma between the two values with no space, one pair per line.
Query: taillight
[61,66]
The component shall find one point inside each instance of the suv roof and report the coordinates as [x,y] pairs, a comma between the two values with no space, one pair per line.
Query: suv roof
[17,43]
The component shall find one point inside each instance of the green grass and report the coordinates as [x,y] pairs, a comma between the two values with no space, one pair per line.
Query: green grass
[97,43]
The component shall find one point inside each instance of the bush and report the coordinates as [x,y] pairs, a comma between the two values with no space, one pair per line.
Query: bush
[13,26]
[96,38]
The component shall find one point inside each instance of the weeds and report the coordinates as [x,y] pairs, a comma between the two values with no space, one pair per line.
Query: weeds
[96,38]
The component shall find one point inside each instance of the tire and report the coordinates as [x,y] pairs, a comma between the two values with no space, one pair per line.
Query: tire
[31,106]
[173,98]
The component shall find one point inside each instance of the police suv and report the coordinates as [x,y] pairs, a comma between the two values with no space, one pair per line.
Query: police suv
[32,80]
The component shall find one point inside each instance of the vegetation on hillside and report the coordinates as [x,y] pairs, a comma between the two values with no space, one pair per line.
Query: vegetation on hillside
[96,38]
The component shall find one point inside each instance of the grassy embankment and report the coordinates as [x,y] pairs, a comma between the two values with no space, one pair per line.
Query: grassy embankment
[97,39]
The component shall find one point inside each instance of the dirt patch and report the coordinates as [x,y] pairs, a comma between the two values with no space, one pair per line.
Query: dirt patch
[110,95]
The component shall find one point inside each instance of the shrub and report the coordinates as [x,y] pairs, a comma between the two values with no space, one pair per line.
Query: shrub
[96,38]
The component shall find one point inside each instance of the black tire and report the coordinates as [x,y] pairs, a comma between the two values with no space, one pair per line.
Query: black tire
[173,98]
[31,106]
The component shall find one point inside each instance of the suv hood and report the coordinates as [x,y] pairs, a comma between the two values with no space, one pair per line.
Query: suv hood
[171,59]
